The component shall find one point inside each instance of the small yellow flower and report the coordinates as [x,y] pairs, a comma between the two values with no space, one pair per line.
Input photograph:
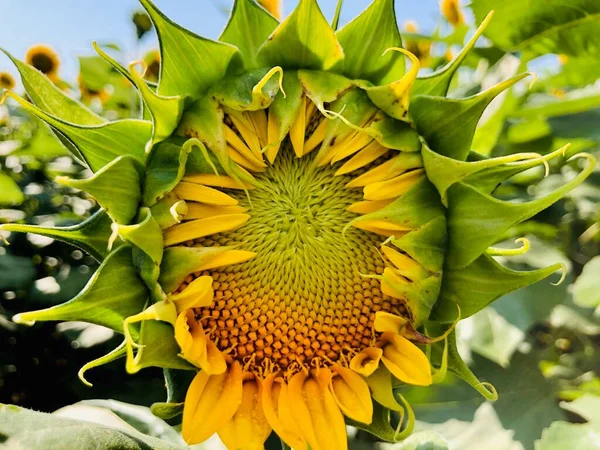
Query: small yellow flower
[45,59]
[451,11]
[7,81]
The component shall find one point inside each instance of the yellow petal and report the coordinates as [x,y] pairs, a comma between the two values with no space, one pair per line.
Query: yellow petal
[366,156]
[204,211]
[379,173]
[198,193]
[210,402]
[248,429]
[220,181]
[382,227]
[380,383]
[352,395]
[405,265]
[249,134]
[387,322]
[405,360]
[316,413]
[203,227]
[298,129]
[394,187]
[245,162]
[367,361]
[198,293]
[195,345]
[272,137]
[258,119]
[356,142]
[367,206]
[226,258]
[316,137]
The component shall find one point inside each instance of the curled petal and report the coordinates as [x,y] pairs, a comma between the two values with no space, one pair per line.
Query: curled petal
[198,293]
[210,403]
[248,429]
[387,322]
[195,345]
[351,393]
[316,413]
[278,411]
[405,360]
[367,361]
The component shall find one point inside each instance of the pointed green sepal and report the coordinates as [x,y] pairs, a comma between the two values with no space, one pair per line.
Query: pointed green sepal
[480,283]
[157,348]
[190,64]
[164,111]
[323,87]
[163,171]
[249,91]
[285,108]
[113,355]
[365,39]
[116,187]
[179,262]
[304,40]
[438,82]
[477,220]
[166,410]
[392,133]
[50,98]
[91,235]
[98,144]
[426,244]
[169,211]
[436,118]
[419,295]
[112,294]
[420,205]
[486,174]
[248,27]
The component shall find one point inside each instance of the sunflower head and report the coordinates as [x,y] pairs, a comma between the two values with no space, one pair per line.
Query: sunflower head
[299,223]
[451,11]
[273,6]
[7,81]
[152,61]
[45,59]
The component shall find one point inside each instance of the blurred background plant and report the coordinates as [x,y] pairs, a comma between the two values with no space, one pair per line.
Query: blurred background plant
[539,346]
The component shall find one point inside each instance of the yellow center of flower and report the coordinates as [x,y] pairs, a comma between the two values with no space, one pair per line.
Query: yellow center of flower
[302,300]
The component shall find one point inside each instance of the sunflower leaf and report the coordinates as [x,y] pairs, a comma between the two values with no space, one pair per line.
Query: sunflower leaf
[116,187]
[392,133]
[190,64]
[436,118]
[480,283]
[10,193]
[51,99]
[90,235]
[538,28]
[248,27]
[304,40]
[364,41]
[113,293]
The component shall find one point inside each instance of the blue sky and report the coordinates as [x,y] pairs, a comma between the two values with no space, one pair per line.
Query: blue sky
[70,25]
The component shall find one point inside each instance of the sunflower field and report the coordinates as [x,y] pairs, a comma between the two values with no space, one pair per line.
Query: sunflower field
[310,231]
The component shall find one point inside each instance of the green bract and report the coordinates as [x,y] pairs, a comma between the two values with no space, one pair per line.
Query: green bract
[351,75]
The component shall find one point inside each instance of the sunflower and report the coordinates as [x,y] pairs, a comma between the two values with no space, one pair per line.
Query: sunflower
[416,44]
[88,94]
[451,11]
[7,81]
[300,224]
[45,59]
